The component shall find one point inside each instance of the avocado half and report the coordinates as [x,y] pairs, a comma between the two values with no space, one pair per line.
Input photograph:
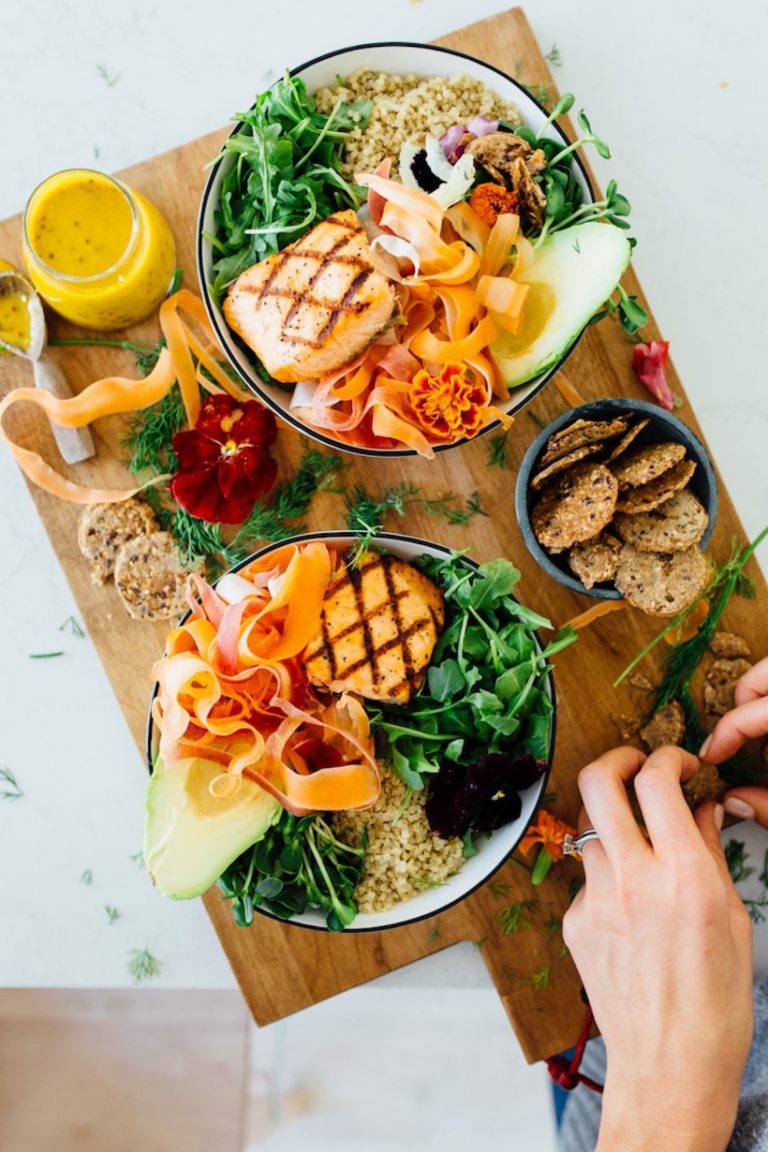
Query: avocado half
[190,837]
[572,275]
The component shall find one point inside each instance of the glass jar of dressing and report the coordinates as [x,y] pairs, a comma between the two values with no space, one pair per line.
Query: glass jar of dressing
[98,252]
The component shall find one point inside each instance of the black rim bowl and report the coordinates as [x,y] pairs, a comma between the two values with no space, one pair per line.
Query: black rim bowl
[384,538]
[664,426]
[251,378]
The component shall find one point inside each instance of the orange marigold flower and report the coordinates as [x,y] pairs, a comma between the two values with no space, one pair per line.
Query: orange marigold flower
[550,832]
[490,201]
[450,405]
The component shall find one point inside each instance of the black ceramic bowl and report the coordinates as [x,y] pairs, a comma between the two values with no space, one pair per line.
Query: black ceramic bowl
[663,427]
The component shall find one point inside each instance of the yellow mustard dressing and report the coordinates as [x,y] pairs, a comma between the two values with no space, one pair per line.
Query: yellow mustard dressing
[14,314]
[98,252]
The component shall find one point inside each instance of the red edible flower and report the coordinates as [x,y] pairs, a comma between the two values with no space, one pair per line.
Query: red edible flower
[224,462]
[648,361]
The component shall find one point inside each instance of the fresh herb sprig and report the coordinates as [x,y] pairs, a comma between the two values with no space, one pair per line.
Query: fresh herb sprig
[142,965]
[9,785]
[300,863]
[285,176]
[367,512]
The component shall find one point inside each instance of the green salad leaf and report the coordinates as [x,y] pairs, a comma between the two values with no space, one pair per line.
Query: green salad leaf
[284,177]
[486,685]
[298,864]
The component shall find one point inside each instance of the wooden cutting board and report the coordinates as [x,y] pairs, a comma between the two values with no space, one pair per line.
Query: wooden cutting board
[280,968]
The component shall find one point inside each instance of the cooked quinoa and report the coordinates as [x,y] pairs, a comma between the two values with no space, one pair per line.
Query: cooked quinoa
[404,855]
[408,108]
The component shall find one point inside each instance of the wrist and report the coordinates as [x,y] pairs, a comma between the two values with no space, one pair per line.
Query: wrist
[647,1117]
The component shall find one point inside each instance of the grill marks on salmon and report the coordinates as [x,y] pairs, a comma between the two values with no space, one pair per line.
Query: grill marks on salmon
[315,306]
[379,626]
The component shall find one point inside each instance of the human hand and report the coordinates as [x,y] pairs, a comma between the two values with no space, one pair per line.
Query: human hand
[664,947]
[747,721]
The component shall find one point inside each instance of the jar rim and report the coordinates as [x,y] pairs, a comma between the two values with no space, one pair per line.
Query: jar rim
[124,255]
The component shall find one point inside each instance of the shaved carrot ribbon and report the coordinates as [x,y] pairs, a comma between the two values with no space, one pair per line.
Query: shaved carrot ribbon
[427,345]
[570,394]
[230,690]
[117,395]
[595,613]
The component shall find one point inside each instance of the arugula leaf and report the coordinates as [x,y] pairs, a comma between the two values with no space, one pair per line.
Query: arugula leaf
[498,578]
[446,680]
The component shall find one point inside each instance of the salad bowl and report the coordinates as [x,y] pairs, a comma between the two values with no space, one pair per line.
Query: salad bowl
[490,850]
[422,61]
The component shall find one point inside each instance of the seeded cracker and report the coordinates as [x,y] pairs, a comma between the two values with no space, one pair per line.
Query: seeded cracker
[150,578]
[667,726]
[104,528]
[560,465]
[576,507]
[628,438]
[661,585]
[705,785]
[720,684]
[656,493]
[729,645]
[581,433]
[672,527]
[645,464]
[595,561]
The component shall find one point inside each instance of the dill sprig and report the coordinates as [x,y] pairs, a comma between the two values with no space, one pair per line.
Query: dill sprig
[497,450]
[366,513]
[151,432]
[142,965]
[515,917]
[9,786]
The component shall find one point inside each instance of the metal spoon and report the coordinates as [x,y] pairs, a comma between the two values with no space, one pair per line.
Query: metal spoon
[75,444]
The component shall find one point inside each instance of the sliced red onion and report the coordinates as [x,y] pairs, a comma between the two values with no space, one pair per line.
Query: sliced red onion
[450,142]
[482,126]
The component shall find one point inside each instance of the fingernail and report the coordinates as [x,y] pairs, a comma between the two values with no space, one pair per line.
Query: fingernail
[719,815]
[740,808]
[705,747]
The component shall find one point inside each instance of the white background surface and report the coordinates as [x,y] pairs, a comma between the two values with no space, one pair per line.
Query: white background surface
[672,87]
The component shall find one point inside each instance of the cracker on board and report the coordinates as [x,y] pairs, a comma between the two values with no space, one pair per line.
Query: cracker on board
[705,785]
[729,645]
[666,726]
[575,507]
[658,491]
[641,682]
[595,561]
[563,462]
[628,438]
[661,584]
[642,465]
[151,579]
[581,433]
[104,528]
[720,684]
[672,527]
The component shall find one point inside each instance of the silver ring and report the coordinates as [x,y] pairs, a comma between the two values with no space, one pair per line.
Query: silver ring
[572,845]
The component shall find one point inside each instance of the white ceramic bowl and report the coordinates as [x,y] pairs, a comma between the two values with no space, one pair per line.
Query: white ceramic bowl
[401,58]
[492,851]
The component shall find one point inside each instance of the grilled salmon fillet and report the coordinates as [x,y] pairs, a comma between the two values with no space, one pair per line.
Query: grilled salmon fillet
[316,305]
[379,626]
